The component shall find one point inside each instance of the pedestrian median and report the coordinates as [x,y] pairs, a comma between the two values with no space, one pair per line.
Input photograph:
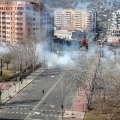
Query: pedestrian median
[9,89]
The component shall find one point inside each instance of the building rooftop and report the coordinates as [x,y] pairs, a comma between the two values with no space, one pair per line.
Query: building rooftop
[14,1]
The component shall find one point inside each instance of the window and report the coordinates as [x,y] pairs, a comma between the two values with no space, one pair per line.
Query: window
[20,8]
[7,18]
[19,28]
[19,38]
[19,24]
[3,31]
[3,22]
[8,23]
[33,18]
[19,18]
[18,13]
[19,33]
[3,17]
[7,8]
[4,36]
[3,13]
[3,27]
[7,27]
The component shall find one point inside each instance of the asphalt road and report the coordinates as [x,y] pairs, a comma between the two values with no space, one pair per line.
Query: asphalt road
[32,104]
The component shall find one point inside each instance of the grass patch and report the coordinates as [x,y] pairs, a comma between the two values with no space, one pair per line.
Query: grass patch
[7,73]
[95,115]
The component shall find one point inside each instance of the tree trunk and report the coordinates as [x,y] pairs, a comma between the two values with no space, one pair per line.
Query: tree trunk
[7,66]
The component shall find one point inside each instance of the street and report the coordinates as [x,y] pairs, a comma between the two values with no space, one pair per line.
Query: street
[42,99]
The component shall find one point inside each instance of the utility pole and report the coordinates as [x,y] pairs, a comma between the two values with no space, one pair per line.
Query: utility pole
[62,106]
[1,68]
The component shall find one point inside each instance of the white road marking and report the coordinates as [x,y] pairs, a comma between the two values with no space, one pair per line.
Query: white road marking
[47,94]
[37,113]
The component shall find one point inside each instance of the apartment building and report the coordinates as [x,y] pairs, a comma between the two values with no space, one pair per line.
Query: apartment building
[114,28]
[74,19]
[21,20]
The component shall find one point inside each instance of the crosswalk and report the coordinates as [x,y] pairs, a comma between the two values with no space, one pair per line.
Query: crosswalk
[29,113]
[28,108]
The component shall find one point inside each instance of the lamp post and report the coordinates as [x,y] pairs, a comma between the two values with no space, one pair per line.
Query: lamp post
[26,63]
[33,61]
[1,68]
[15,86]
[44,107]
[1,93]
[20,67]
[45,36]
[62,106]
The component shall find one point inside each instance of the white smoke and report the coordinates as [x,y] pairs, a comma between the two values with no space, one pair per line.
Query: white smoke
[83,5]
[3,49]
[59,59]
[108,53]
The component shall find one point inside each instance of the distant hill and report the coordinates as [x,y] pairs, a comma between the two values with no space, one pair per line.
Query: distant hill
[80,3]
[66,3]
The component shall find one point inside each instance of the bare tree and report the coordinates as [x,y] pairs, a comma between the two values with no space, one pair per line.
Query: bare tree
[6,57]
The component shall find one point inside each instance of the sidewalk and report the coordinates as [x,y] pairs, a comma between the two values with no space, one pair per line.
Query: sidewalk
[77,112]
[10,89]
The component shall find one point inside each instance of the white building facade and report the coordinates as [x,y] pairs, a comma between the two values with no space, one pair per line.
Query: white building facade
[74,19]
[114,28]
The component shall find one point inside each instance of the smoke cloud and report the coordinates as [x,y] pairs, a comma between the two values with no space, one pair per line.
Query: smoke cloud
[58,59]
[81,5]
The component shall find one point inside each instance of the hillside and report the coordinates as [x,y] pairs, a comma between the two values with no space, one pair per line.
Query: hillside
[68,3]
[81,3]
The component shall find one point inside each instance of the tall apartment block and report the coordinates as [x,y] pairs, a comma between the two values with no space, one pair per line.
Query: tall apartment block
[74,19]
[114,28]
[20,20]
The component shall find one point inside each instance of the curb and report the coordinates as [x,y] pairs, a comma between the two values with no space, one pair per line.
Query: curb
[21,89]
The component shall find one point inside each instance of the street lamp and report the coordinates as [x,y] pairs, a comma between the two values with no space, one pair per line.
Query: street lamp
[33,66]
[20,68]
[26,64]
[1,93]
[44,107]
[1,68]
[8,86]
[62,106]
